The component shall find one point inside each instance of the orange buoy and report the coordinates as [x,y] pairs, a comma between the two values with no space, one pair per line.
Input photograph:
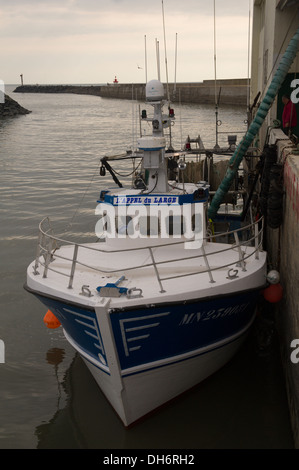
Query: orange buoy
[51,321]
[273,293]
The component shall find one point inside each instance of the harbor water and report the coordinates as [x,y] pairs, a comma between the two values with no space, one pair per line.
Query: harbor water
[49,163]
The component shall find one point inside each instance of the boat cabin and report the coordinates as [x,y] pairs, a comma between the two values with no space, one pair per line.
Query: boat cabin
[142,218]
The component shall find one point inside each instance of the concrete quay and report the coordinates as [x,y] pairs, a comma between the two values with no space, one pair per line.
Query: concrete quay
[229,92]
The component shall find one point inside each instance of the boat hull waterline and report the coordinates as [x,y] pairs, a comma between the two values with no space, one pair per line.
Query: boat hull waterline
[142,358]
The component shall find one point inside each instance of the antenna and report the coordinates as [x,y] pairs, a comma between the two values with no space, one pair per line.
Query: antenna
[158,58]
[215,60]
[165,49]
[145,58]
[175,63]
[248,65]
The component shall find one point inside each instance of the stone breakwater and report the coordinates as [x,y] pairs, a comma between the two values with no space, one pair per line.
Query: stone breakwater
[10,108]
[76,89]
[229,92]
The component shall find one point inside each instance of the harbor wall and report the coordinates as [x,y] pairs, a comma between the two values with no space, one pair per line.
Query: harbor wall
[229,92]
[282,247]
[289,312]
[273,29]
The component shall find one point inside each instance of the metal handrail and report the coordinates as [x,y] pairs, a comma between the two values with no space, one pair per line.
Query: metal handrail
[47,240]
[218,235]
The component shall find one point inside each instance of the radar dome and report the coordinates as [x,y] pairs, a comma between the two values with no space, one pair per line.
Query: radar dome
[154,91]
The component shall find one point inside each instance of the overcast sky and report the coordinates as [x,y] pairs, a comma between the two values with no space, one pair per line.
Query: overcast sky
[92,41]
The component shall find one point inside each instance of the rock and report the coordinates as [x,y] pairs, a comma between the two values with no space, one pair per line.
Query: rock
[10,108]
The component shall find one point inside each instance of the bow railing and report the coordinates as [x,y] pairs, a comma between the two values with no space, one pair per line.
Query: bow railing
[249,236]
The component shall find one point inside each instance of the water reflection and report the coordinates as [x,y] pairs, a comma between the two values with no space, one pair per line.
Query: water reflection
[86,420]
[56,434]
[238,407]
[54,357]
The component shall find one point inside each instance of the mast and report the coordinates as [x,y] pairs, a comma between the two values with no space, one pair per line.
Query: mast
[153,146]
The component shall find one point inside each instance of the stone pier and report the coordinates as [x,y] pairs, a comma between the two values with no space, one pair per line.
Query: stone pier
[229,92]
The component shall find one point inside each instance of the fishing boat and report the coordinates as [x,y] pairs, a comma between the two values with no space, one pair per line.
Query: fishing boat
[163,299]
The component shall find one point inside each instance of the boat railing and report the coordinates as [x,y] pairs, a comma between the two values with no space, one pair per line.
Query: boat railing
[49,244]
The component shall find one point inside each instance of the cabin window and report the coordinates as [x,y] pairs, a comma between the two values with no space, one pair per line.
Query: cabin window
[104,226]
[123,225]
[149,226]
[196,221]
[175,225]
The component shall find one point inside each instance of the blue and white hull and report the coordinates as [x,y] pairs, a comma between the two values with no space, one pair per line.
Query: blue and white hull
[144,357]
[151,318]
[161,300]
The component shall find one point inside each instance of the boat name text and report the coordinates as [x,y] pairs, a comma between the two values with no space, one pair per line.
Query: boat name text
[120,200]
[213,314]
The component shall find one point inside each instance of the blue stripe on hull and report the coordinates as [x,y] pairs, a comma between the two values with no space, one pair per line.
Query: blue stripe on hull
[149,335]
[81,325]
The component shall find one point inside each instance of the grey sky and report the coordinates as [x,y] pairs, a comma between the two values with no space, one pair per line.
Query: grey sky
[91,41]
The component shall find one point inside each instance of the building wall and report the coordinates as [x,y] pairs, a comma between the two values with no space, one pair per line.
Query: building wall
[273,29]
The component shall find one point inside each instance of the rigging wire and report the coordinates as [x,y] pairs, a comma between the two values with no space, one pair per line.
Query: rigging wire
[129,174]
